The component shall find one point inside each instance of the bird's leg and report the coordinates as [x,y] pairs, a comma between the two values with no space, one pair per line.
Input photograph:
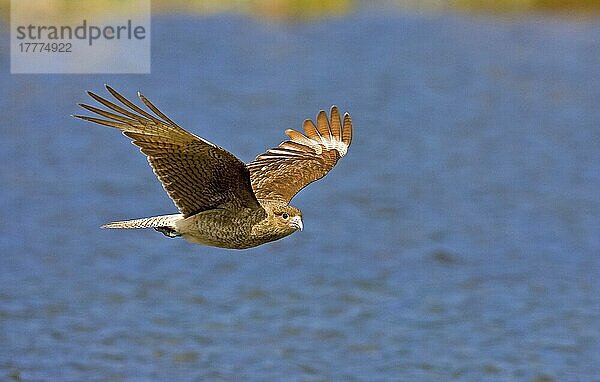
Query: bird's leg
[170,232]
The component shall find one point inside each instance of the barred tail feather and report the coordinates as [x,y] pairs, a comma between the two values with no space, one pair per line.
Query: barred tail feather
[164,221]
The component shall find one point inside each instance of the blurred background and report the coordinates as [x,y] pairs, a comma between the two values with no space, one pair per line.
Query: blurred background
[459,239]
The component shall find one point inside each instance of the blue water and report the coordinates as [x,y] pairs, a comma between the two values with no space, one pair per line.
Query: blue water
[458,240]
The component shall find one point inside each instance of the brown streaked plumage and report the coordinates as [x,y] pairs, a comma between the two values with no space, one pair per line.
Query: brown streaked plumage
[222,201]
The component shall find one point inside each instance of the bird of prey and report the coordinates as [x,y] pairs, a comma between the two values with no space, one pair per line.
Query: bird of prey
[222,201]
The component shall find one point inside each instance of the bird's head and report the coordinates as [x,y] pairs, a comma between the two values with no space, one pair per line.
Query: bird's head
[280,221]
[286,219]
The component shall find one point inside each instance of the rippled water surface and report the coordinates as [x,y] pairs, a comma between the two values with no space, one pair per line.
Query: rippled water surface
[458,240]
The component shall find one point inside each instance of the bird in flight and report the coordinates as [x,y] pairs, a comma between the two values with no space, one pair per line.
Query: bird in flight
[222,201]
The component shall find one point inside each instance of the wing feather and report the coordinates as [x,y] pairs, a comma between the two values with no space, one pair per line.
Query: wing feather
[323,126]
[196,174]
[107,114]
[155,109]
[131,105]
[310,130]
[336,125]
[281,172]
[347,130]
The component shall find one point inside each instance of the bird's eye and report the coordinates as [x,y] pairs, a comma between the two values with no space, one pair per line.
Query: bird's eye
[285,216]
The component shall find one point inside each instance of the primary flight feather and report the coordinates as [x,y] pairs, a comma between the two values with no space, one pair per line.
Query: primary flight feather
[222,201]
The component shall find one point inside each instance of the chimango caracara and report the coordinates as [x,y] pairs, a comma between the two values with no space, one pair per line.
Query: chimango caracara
[222,201]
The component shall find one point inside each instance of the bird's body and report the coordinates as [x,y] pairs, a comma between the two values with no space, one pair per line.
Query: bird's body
[222,201]
[243,228]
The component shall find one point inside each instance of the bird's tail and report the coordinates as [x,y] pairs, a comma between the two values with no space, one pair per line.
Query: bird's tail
[164,224]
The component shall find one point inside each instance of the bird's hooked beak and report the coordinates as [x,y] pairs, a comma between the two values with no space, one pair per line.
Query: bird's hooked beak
[296,222]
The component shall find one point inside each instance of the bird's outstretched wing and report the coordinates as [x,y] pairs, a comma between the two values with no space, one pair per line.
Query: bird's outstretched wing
[281,172]
[196,174]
